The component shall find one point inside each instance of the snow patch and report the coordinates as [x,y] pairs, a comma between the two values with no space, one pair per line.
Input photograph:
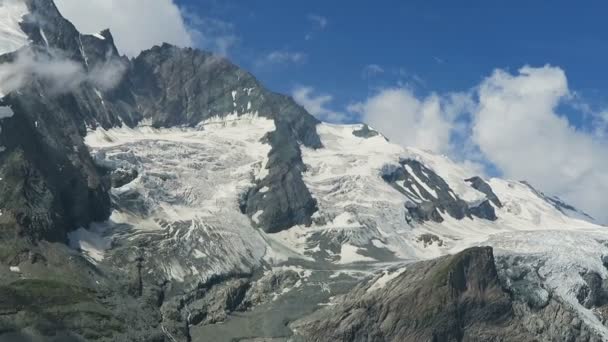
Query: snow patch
[43,35]
[420,183]
[90,242]
[6,112]
[99,36]
[12,37]
[256,217]
[382,280]
[350,254]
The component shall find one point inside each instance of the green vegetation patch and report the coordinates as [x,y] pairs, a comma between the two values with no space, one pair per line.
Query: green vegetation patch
[27,294]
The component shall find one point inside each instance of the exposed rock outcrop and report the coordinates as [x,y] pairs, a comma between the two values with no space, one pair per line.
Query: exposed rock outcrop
[430,196]
[453,298]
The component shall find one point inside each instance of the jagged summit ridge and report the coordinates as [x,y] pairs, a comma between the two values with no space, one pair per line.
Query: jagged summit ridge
[147,90]
[186,191]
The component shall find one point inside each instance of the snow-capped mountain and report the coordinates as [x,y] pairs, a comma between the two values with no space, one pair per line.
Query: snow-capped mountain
[148,199]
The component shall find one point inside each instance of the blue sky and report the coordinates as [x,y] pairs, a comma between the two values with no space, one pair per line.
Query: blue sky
[431,45]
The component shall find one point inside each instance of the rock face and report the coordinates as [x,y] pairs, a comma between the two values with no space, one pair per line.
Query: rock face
[453,298]
[431,197]
[480,185]
[50,185]
[176,87]
[195,246]
[365,132]
[456,298]
[45,197]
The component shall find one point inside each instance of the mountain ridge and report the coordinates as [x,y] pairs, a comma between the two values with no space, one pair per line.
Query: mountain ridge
[167,199]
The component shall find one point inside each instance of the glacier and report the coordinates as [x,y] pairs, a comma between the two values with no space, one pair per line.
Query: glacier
[190,180]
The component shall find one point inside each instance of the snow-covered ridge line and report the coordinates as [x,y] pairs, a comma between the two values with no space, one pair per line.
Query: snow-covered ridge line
[344,174]
[103,138]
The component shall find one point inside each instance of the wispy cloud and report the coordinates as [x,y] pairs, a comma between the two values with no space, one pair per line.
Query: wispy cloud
[438,60]
[210,34]
[319,23]
[317,105]
[409,79]
[281,57]
[60,74]
[372,70]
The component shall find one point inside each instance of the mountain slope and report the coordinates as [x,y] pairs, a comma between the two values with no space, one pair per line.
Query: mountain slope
[147,199]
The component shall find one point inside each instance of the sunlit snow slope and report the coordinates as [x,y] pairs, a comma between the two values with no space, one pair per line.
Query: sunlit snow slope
[12,36]
[185,193]
[361,215]
[185,186]
[198,175]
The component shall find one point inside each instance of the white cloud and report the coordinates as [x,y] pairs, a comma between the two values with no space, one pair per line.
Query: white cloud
[372,70]
[210,34]
[517,127]
[59,74]
[511,122]
[600,121]
[403,118]
[317,105]
[136,24]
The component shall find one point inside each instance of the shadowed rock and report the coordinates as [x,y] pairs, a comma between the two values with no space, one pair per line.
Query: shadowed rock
[434,198]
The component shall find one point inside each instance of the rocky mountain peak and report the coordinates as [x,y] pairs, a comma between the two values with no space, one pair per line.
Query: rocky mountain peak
[147,199]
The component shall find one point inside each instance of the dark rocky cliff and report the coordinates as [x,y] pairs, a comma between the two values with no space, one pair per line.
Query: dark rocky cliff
[51,184]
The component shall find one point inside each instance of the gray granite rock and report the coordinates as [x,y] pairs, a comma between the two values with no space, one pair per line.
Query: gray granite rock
[365,132]
[426,206]
[454,298]
[480,185]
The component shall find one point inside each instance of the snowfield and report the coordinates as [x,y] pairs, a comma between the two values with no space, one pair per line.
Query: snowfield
[12,37]
[359,209]
[187,189]
[189,181]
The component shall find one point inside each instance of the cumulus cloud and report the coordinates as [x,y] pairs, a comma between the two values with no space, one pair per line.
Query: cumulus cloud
[511,122]
[136,25]
[317,105]
[59,74]
[518,128]
[405,119]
